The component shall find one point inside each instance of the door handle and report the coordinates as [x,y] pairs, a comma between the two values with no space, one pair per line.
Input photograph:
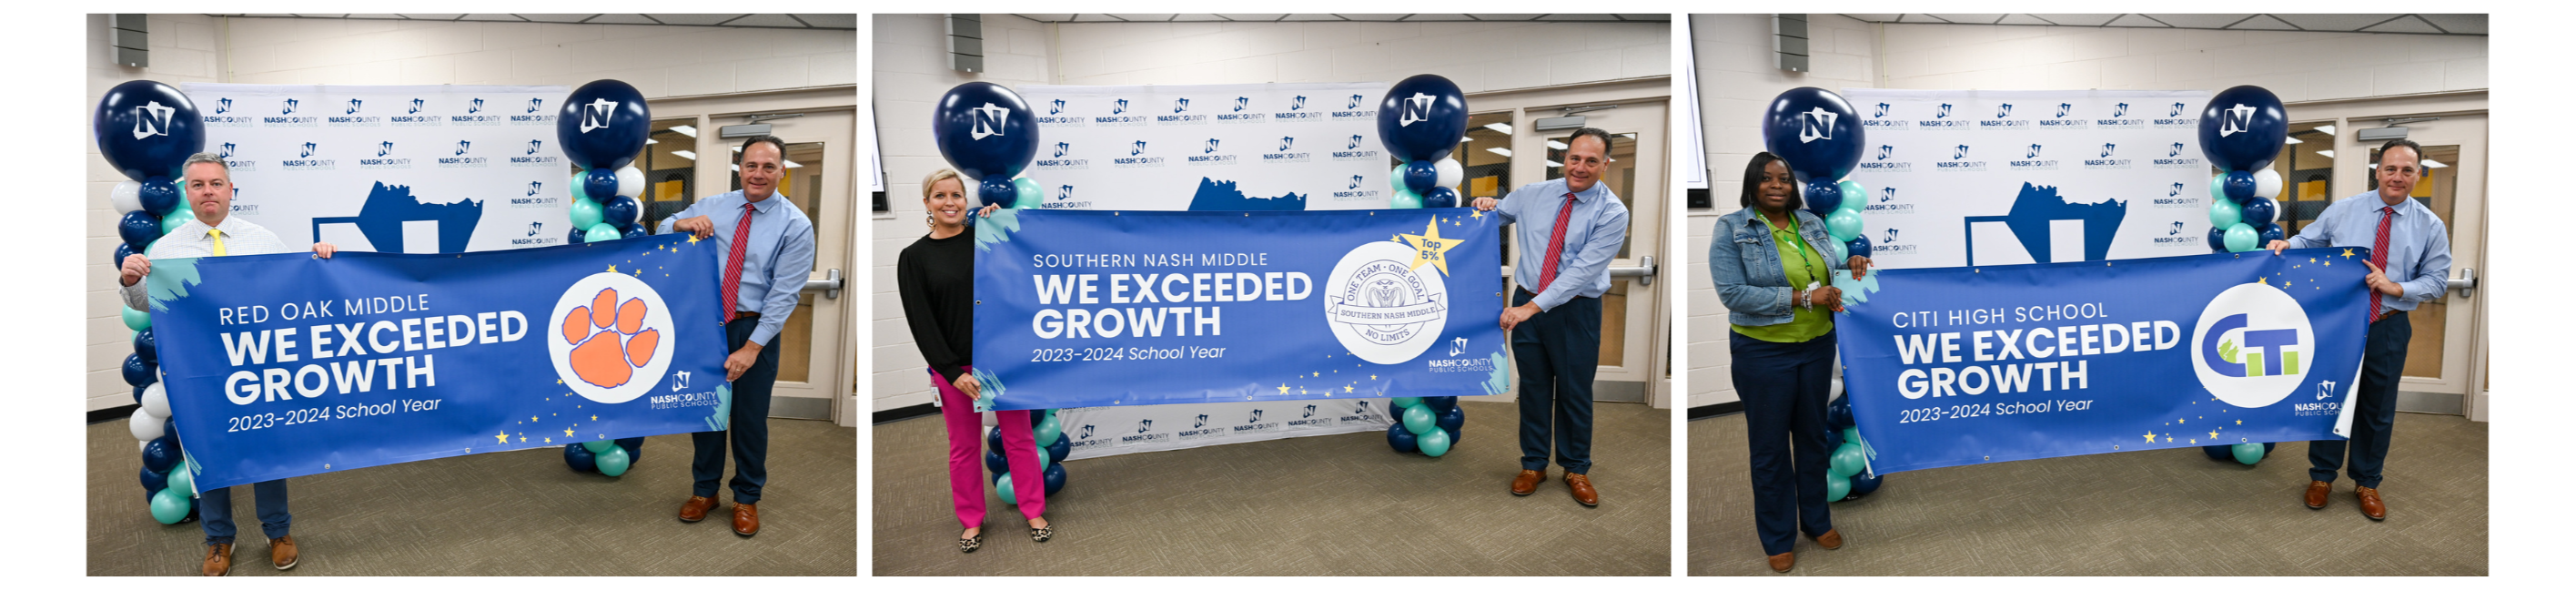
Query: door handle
[2466,283]
[1644,271]
[830,284]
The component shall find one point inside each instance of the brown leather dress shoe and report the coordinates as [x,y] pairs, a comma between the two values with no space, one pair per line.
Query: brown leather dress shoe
[2316,497]
[219,560]
[1582,487]
[1832,540]
[2370,504]
[696,508]
[1527,482]
[281,552]
[746,519]
[1781,562]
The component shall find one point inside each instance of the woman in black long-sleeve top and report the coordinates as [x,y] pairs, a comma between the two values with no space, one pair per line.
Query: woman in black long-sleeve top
[936,278]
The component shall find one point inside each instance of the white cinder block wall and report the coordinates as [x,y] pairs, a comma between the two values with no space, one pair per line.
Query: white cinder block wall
[1736,78]
[661,61]
[911,72]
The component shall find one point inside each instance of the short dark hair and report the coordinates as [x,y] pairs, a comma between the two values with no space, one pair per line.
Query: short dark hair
[1595,133]
[1753,181]
[762,139]
[2404,143]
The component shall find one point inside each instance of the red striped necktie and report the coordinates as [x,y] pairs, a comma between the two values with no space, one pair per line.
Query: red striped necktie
[1555,245]
[2379,256]
[733,262]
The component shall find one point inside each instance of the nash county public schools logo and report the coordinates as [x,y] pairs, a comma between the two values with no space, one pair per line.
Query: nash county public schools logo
[595,115]
[1416,108]
[1817,124]
[2250,345]
[1384,297]
[152,119]
[988,121]
[2234,120]
[614,337]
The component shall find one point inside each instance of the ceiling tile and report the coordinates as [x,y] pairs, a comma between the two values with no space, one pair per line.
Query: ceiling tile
[1189,18]
[2078,20]
[830,21]
[1253,17]
[1143,17]
[2022,19]
[766,20]
[2404,25]
[2132,20]
[2469,24]
[1311,17]
[2199,21]
[1047,18]
[2263,22]
[512,18]
[1438,17]
[1374,17]
[1571,18]
[1509,17]
[556,18]
[431,17]
[1966,19]
[382,16]
[691,19]
[2334,22]
[622,19]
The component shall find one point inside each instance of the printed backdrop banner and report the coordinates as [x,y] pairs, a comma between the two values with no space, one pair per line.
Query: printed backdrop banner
[411,169]
[1101,431]
[1951,367]
[1142,308]
[286,365]
[1967,177]
[1227,147]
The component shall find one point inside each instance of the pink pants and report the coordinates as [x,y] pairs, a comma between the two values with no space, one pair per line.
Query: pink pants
[966,456]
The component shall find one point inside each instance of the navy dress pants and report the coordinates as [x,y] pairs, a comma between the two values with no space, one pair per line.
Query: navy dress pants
[2374,412]
[1784,387]
[1557,352]
[748,427]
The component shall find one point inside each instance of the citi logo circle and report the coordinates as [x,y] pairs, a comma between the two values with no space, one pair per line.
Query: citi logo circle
[1382,304]
[613,339]
[2251,344]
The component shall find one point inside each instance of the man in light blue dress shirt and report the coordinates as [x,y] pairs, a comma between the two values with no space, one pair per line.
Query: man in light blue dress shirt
[2410,264]
[1568,230]
[765,248]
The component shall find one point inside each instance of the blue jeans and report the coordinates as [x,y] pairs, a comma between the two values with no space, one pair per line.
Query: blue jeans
[2374,411]
[1784,387]
[1557,351]
[748,427]
[215,510]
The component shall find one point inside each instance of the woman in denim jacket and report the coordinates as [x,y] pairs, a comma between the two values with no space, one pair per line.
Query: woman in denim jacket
[1772,262]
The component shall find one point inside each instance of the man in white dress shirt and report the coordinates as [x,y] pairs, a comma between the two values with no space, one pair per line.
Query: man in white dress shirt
[208,183]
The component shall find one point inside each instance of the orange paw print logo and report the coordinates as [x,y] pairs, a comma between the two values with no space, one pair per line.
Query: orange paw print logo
[609,340]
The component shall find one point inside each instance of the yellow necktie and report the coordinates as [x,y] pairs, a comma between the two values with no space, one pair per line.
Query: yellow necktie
[218,236]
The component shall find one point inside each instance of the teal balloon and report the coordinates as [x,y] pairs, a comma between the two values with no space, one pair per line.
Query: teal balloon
[1434,443]
[1849,459]
[181,481]
[178,216]
[614,462]
[1855,197]
[169,506]
[2241,237]
[2247,453]
[586,213]
[1420,421]
[1003,482]
[135,319]
[1395,178]
[598,447]
[602,232]
[1843,224]
[2218,188]
[578,195]
[1407,401]
[1837,486]
[1043,459]
[1404,199]
[1839,249]
[1029,194]
[2224,213]
[1048,430]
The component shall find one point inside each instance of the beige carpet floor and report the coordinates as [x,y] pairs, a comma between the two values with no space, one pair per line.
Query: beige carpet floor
[508,513]
[1327,505]
[2164,512]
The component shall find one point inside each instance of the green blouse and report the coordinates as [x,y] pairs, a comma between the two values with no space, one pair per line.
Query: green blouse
[1803,265]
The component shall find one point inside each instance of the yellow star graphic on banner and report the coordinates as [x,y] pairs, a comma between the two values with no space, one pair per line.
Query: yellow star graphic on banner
[567,432]
[2213,434]
[2347,253]
[2151,437]
[1429,247]
[693,239]
[502,438]
[1346,389]
[612,268]
[1283,388]
[1480,214]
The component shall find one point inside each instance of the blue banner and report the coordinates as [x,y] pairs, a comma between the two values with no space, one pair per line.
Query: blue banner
[286,365]
[1103,308]
[1973,365]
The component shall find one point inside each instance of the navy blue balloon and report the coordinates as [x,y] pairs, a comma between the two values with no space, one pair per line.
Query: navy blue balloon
[602,125]
[2219,452]
[985,131]
[1833,438]
[1421,176]
[1440,197]
[634,449]
[578,236]
[1054,478]
[1816,131]
[1859,245]
[160,454]
[621,211]
[1838,414]
[635,231]
[2243,128]
[2258,211]
[995,463]
[117,259]
[1452,420]
[1440,405]
[2239,186]
[997,191]
[137,371]
[146,129]
[138,229]
[993,438]
[1403,441]
[153,480]
[600,184]
[1421,118]
[1062,448]
[580,459]
[158,196]
[1822,196]
[138,393]
[2217,240]
[2267,450]
[2270,232]
[1453,436]
[1864,483]
[145,348]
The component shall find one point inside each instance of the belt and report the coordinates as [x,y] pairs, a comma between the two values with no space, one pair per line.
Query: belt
[2391,313]
[746,315]
[1525,291]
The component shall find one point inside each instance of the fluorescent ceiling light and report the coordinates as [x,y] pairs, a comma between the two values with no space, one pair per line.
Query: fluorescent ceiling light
[1503,128]
[1555,145]
[1505,152]
[1554,164]
[2326,153]
[2435,164]
[685,154]
[793,164]
[2328,130]
[685,130]
[2295,141]
[650,141]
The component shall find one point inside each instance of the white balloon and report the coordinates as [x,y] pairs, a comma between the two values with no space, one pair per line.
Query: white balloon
[144,426]
[156,402]
[1451,173]
[630,182]
[2267,183]
[127,196]
[139,446]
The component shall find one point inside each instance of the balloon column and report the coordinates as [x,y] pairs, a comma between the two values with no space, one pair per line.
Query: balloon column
[2241,130]
[612,457]
[1052,448]
[1818,135]
[1848,475]
[601,128]
[1427,424]
[147,130]
[1419,121]
[988,133]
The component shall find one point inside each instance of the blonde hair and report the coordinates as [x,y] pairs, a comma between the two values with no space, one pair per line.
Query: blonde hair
[940,175]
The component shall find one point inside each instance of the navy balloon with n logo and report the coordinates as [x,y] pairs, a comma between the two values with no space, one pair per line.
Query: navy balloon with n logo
[145,129]
[985,130]
[602,125]
[2243,128]
[1815,130]
[1422,117]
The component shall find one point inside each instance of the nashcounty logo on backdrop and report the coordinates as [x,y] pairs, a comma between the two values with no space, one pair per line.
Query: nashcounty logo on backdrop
[225,151]
[1362,412]
[2179,196]
[1118,116]
[2003,120]
[1057,160]
[474,116]
[2109,159]
[1207,155]
[1136,158]
[1285,155]
[354,115]
[1959,161]
[1240,114]
[1351,152]
[1199,429]
[537,114]
[304,160]
[1181,114]
[385,159]
[536,197]
[2177,156]
[1359,189]
[1355,109]
[1888,243]
[1144,434]
[2175,118]
[1886,203]
[1082,437]
[1941,121]
[2178,235]
[411,116]
[2119,119]
[1884,160]
[221,116]
[536,155]
[1254,424]
[1055,116]
[464,157]
[613,340]
[2062,121]
[2248,344]
[1297,112]
[1878,120]
[1064,200]
[286,116]
[1383,296]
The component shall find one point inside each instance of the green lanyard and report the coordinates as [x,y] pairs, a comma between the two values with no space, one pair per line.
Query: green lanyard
[1801,241]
